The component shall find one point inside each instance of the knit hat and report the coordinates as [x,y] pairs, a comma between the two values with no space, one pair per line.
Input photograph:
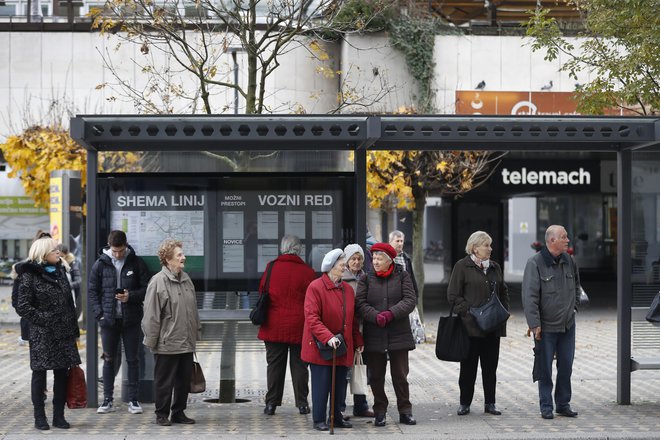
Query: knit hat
[384,247]
[330,259]
[353,249]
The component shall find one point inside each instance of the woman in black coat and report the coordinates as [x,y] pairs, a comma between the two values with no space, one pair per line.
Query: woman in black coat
[473,279]
[45,301]
[384,300]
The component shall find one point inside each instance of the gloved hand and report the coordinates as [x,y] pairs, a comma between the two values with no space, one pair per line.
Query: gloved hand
[384,318]
[334,342]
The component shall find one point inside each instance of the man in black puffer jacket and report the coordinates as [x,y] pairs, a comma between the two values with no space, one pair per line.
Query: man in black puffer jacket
[117,285]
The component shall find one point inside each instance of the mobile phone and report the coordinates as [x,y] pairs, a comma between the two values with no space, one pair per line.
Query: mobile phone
[118,291]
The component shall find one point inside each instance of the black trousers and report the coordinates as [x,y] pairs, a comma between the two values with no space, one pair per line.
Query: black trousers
[38,386]
[377,366]
[488,351]
[276,354]
[172,374]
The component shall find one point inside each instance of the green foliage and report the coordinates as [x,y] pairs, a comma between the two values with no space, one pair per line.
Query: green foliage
[619,50]
[364,15]
[415,37]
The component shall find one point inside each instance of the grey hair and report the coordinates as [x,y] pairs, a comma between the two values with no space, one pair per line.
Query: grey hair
[396,234]
[552,231]
[290,245]
[383,254]
[477,239]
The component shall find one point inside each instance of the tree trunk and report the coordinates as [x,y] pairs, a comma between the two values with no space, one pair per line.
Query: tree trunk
[418,247]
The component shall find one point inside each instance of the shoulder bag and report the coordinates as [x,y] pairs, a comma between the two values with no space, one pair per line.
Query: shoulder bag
[259,313]
[453,342]
[492,314]
[197,379]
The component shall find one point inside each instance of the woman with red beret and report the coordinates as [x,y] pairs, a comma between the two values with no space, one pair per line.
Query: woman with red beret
[385,298]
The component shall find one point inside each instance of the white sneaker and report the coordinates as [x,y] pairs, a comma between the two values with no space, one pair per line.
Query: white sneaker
[134,407]
[21,341]
[107,407]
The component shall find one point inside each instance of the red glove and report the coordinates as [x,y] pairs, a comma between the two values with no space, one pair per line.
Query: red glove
[384,318]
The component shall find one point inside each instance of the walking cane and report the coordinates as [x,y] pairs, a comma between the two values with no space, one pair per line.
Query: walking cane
[332,392]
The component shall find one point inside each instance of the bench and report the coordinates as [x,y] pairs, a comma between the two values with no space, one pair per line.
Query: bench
[645,341]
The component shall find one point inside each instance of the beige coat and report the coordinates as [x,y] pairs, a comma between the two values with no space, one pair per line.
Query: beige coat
[171,322]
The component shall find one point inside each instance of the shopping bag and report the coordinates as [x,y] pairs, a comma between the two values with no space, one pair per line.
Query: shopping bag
[76,388]
[453,342]
[197,380]
[359,376]
[417,327]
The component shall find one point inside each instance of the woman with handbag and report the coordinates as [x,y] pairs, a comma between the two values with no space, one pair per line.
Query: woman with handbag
[473,279]
[384,299]
[283,329]
[330,326]
[171,328]
[353,272]
[45,301]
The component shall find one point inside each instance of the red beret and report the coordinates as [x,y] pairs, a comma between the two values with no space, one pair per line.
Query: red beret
[384,247]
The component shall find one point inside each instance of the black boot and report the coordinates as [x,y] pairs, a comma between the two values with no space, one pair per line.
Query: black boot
[58,418]
[40,421]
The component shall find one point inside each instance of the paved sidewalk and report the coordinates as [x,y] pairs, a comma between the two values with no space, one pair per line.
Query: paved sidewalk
[434,393]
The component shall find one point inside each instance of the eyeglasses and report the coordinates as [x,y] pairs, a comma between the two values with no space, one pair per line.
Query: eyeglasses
[54,250]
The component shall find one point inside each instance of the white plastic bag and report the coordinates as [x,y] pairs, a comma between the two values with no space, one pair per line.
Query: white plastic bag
[359,375]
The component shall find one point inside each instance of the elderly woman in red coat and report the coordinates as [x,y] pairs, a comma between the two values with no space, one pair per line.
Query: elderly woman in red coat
[329,312]
[282,332]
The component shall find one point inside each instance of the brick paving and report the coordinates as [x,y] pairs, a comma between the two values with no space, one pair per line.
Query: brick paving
[434,393]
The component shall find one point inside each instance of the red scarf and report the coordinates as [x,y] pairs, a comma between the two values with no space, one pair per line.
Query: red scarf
[386,273]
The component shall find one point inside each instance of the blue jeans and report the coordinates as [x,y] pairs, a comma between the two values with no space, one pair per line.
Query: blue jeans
[110,337]
[321,385]
[563,344]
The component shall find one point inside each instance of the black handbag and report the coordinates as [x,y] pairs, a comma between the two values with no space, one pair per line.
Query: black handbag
[453,342]
[490,315]
[259,313]
[325,350]
[653,315]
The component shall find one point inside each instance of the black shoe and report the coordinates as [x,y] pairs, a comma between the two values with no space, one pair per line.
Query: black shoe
[40,422]
[60,422]
[163,421]
[407,419]
[303,410]
[269,410]
[345,418]
[567,412]
[463,410]
[380,420]
[547,414]
[321,426]
[341,423]
[365,413]
[490,408]
[182,418]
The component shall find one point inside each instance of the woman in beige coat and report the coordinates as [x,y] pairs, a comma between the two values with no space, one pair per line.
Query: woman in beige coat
[171,327]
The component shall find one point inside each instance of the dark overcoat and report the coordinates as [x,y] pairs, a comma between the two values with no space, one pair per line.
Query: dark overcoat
[45,301]
[469,287]
[377,294]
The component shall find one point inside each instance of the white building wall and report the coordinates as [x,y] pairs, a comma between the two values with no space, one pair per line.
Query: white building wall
[504,63]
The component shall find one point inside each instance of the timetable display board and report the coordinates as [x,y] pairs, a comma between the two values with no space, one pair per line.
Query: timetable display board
[231,225]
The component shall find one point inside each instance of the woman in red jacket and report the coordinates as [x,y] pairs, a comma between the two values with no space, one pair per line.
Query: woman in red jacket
[329,311]
[282,332]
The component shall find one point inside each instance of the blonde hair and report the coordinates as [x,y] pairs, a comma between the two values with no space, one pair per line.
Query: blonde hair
[477,239]
[166,250]
[40,248]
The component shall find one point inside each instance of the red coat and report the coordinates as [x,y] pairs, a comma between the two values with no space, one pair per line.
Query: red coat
[288,283]
[323,318]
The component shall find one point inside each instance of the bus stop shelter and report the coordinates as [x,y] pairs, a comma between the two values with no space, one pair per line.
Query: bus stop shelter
[625,136]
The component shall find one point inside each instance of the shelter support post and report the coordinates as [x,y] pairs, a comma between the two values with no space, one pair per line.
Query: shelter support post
[90,250]
[624,270]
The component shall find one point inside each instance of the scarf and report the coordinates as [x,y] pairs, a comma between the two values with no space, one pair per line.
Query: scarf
[386,273]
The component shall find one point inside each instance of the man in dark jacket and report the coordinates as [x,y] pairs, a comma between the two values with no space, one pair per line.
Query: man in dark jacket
[396,240]
[550,289]
[117,286]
